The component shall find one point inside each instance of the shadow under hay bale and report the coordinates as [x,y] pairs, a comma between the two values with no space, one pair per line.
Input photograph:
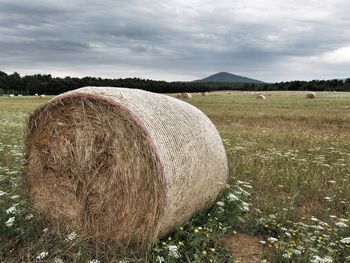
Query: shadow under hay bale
[120,165]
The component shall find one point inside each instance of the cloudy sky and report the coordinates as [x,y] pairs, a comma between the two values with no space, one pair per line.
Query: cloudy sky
[177,39]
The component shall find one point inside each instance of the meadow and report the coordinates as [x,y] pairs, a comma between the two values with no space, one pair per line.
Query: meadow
[288,195]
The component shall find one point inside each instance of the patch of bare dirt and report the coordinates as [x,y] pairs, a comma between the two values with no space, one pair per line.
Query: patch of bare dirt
[244,248]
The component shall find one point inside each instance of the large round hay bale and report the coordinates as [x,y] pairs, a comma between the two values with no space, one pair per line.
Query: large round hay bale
[186,95]
[122,165]
[311,95]
[260,97]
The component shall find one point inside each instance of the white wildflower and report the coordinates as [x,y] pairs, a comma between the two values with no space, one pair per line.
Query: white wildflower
[318,259]
[341,224]
[245,206]
[14,197]
[333,216]
[10,221]
[2,193]
[262,242]
[231,197]
[71,236]
[11,210]
[29,216]
[314,219]
[272,239]
[345,240]
[327,198]
[94,261]
[220,203]
[42,255]
[173,251]
[296,251]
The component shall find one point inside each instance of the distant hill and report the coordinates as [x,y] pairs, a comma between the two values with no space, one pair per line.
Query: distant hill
[228,77]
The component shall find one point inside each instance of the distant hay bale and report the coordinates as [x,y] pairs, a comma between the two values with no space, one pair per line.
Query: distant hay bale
[122,165]
[36,94]
[42,96]
[19,95]
[179,96]
[11,95]
[311,95]
[204,93]
[260,97]
[186,95]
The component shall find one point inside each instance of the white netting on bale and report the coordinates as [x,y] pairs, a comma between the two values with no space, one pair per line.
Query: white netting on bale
[122,165]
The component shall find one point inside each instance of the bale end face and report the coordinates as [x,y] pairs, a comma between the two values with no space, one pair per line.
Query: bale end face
[89,168]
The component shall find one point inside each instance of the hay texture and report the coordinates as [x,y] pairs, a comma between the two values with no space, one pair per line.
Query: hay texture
[311,95]
[122,165]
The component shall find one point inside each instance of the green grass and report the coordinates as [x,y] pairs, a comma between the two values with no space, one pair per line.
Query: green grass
[294,152]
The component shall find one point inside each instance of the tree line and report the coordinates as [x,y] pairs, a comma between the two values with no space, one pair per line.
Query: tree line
[46,84]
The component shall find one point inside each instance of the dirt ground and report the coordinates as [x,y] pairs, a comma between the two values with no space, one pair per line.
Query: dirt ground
[245,248]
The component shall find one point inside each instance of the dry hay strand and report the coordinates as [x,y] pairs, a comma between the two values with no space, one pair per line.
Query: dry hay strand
[107,163]
[311,95]
[186,95]
[260,97]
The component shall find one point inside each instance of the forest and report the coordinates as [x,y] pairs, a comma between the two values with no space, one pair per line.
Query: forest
[46,84]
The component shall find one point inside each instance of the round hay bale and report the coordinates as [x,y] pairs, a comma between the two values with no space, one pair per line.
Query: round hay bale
[260,97]
[122,165]
[179,96]
[204,93]
[311,95]
[42,96]
[186,95]
[36,94]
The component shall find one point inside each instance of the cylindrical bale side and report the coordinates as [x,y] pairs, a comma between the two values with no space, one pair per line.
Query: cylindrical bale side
[122,164]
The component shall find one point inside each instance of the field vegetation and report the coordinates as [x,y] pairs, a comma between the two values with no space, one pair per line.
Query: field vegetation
[289,187]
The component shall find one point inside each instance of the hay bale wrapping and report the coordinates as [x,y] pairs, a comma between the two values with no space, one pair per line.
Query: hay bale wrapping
[122,165]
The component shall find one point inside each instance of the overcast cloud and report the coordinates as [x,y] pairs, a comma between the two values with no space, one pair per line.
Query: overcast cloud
[177,39]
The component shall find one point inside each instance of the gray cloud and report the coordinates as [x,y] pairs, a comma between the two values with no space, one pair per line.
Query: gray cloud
[176,40]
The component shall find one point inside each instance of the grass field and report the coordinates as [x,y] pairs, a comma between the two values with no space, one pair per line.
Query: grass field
[289,156]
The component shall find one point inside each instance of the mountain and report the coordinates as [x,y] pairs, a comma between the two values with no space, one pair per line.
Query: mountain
[228,77]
